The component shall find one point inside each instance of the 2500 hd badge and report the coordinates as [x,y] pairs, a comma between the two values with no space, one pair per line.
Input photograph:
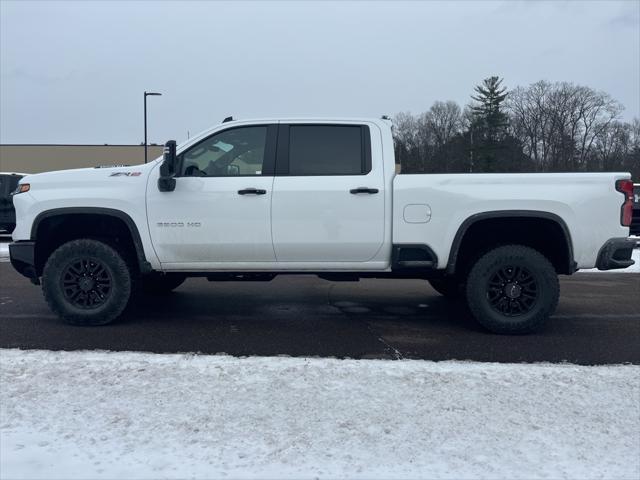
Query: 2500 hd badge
[179,224]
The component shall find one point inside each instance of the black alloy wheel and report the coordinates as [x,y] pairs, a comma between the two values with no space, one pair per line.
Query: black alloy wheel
[512,290]
[86,283]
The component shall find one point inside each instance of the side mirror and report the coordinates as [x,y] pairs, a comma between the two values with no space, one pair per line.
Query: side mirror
[166,182]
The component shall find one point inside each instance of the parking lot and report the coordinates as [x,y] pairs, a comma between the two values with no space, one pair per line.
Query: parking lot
[597,321]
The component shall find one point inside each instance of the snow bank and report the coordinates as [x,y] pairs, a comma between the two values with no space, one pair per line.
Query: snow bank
[134,415]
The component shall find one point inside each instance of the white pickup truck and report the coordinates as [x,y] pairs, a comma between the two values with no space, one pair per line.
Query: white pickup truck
[248,200]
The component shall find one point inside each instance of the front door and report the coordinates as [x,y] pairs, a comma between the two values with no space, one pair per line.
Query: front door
[220,210]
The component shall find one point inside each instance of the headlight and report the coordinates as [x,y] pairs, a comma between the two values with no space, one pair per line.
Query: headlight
[23,187]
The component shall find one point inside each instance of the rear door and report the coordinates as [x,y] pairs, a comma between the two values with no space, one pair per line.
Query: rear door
[328,197]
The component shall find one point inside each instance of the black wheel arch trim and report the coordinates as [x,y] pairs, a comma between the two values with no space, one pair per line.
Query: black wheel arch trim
[143,264]
[462,230]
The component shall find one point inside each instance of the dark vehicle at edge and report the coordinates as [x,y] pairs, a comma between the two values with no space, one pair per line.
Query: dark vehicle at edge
[8,183]
[634,229]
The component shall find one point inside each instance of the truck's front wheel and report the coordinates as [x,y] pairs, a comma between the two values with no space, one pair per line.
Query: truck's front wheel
[512,289]
[86,282]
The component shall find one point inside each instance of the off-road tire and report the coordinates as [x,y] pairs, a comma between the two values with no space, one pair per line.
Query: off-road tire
[448,287]
[107,303]
[159,283]
[492,303]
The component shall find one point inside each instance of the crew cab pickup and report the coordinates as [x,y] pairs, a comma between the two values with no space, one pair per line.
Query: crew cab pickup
[249,200]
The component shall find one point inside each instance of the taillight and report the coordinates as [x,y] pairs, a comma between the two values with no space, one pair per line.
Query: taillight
[626,212]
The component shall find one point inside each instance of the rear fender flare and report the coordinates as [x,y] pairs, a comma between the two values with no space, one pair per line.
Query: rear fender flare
[457,240]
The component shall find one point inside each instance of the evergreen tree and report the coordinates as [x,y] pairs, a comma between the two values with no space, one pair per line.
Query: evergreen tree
[489,118]
[489,126]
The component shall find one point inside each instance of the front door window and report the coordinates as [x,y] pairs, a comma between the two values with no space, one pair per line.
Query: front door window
[234,152]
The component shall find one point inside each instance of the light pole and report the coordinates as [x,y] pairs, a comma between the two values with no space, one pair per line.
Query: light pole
[146,94]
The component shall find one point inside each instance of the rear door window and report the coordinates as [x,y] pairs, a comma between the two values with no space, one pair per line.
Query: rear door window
[328,150]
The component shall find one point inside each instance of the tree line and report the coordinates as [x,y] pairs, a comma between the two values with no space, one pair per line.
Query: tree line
[544,127]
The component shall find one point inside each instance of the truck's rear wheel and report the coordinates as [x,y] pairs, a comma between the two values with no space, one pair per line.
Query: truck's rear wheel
[86,282]
[512,289]
[449,287]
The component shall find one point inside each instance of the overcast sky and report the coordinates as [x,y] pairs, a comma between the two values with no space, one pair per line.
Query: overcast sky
[75,72]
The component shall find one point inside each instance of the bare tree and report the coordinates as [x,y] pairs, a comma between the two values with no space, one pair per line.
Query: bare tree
[559,123]
[443,121]
[420,139]
[405,133]
[529,121]
[404,129]
[610,146]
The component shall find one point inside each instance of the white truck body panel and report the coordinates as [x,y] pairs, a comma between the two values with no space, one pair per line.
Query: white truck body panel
[576,198]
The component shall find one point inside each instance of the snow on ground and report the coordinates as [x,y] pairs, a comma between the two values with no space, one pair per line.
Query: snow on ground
[136,415]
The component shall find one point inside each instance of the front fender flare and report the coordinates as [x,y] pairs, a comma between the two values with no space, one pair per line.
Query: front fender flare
[143,264]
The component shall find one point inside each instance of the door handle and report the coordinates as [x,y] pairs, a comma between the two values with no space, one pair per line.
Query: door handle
[370,191]
[251,191]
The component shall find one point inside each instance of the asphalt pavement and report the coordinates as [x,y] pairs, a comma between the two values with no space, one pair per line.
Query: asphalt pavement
[597,321]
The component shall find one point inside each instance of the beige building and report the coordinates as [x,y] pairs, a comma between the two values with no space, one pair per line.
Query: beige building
[44,158]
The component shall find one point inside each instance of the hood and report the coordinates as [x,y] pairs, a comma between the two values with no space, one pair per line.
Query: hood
[89,175]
